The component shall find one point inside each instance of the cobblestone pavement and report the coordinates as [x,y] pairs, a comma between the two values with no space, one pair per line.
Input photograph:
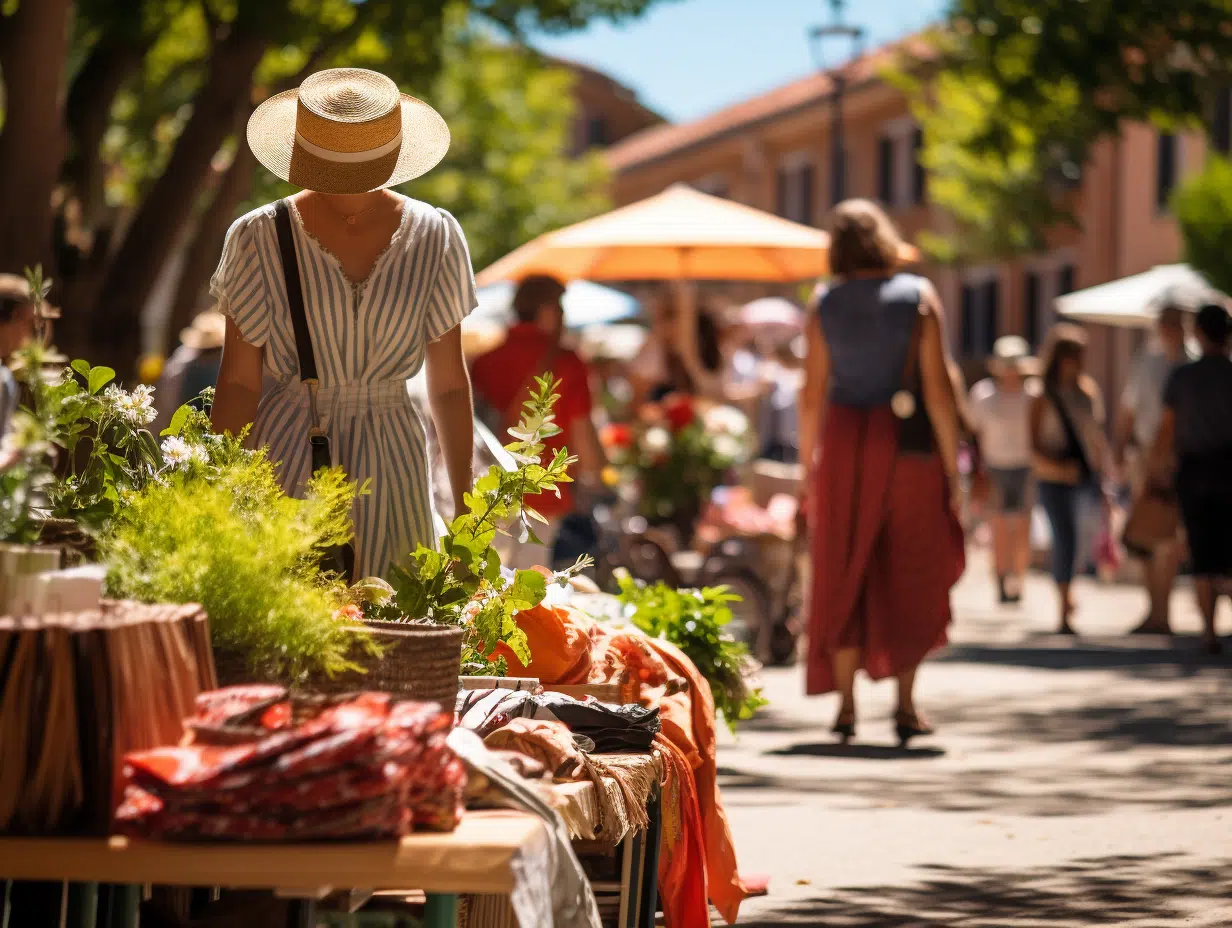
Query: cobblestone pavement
[1072,782]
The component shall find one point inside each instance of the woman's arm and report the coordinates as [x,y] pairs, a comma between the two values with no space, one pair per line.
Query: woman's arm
[938,390]
[813,400]
[449,395]
[239,383]
[1162,450]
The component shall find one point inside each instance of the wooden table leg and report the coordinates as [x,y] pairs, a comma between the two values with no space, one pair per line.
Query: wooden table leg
[441,911]
[119,905]
[649,902]
[300,913]
[82,907]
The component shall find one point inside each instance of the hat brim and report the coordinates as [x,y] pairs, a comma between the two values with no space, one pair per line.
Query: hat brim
[271,136]
[1026,365]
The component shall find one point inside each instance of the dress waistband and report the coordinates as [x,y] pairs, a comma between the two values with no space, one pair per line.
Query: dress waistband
[350,397]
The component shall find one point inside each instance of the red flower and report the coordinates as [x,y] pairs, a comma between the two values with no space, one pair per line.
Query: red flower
[616,435]
[679,410]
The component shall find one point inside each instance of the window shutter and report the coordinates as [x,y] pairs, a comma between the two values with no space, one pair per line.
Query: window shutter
[1165,169]
[1065,279]
[805,212]
[885,171]
[1031,308]
[967,314]
[919,177]
[1221,124]
[780,192]
[990,311]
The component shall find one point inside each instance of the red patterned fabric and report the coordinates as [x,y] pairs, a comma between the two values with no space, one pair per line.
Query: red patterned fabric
[886,549]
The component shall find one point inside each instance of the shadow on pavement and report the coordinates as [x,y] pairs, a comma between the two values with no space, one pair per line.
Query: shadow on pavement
[858,751]
[1181,659]
[1114,890]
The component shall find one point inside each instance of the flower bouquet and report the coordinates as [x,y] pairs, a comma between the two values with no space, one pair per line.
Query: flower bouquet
[677,454]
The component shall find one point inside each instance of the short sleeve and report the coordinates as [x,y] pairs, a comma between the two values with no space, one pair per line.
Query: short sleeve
[239,286]
[453,294]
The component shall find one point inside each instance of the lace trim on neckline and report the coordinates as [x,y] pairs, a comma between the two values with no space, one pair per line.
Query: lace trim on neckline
[357,286]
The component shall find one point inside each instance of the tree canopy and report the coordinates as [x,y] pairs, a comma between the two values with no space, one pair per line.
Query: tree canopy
[143,158]
[1203,208]
[1024,88]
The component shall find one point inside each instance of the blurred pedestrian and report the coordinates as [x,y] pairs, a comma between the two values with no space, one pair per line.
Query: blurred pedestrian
[503,379]
[683,353]
[359,286]
[16,329]
[1000,412]
[1068,453]
[1142,408]
[1196,430]
[193,365]
[879,429]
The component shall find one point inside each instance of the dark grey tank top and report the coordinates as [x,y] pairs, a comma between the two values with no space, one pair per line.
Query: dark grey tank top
[867,324]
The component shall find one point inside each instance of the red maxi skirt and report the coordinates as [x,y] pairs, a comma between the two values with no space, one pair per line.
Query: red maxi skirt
[886,548]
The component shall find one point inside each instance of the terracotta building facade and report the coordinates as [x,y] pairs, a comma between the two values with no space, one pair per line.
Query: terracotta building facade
[773,152]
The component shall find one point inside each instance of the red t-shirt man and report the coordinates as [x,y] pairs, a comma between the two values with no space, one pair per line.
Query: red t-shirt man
[531,348]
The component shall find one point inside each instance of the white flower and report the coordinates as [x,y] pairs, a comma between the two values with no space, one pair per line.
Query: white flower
[726,420]
[198,454]
[656,440]
[137,407]
[176,452]
[727,447]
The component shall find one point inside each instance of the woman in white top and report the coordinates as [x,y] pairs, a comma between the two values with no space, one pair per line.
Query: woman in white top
[1000,414]
[386,281]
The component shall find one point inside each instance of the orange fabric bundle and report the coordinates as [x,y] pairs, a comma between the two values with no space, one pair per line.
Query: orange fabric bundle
[559,640]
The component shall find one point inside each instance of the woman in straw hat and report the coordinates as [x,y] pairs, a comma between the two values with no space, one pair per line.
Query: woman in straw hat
[1000,412]
[879,426]
[385,282]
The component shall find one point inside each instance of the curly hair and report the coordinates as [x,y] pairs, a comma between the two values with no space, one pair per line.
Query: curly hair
[862,238]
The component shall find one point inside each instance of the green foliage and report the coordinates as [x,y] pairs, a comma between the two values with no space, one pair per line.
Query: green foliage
[1203,208]
[1024,88]
[218,530]
[693,620]
[462,583]
[509,175]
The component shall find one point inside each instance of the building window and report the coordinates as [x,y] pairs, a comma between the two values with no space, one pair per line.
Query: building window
[1032,311]
[1165,168]
[1065,279]
[900,176]
[794,188]
[1048,278]
[596,132]
[1221,122]
[981,316]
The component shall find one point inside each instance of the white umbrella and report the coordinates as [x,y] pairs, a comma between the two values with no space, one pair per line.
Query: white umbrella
[585,304]
[772,312]
[1134,301]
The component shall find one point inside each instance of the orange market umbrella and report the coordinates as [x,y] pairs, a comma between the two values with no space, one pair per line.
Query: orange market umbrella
[679,234]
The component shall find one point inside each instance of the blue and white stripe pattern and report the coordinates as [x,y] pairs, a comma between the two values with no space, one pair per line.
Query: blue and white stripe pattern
[369,339]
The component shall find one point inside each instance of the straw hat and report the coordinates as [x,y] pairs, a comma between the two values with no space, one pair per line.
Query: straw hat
[208,331]
[347,130]
[1012,351]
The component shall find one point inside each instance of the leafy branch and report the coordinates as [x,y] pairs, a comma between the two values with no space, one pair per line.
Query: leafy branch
[463,583]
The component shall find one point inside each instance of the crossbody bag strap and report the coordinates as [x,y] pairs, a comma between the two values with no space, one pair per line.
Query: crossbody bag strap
[295,305]
[1071,432]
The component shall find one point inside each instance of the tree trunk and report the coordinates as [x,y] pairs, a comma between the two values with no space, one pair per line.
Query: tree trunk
[32,143]
[115,323]
[206,246]
[87,112]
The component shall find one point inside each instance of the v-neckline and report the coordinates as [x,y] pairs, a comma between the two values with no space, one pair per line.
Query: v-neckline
[358,286]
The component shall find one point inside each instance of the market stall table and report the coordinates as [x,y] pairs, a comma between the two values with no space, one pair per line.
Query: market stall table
[481,856]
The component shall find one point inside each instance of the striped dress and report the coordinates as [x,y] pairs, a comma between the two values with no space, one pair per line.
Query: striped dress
[369,339]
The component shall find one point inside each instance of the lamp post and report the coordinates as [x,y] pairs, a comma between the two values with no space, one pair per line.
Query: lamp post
[817,38]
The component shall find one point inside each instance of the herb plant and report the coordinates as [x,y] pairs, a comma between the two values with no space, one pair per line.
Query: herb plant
[693,621]
[215,528]
[462,583]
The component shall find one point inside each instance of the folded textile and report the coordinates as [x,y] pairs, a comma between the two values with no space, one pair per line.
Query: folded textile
[265,766]
[608,729]
[551,891]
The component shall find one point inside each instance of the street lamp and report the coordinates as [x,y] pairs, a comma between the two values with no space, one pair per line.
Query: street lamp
[817,38]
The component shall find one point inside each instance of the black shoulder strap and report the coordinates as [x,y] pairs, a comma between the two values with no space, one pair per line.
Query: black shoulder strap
[295,292]
[1072,437]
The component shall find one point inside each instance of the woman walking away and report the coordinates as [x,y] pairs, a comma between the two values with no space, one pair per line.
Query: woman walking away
[1000,410]
[1068,451]
[342,293]
[879,427]
[1197,428]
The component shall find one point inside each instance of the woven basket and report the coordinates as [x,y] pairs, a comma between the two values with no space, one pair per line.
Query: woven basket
[416,662]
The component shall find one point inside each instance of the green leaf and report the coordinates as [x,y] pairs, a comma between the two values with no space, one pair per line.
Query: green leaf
[178,420]
[99,377]
[82,367]
[529,588]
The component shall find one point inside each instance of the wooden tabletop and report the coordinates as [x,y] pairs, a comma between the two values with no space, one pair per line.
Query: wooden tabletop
[476,858]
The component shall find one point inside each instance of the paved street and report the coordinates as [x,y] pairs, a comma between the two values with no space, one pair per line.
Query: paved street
[1072,783]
